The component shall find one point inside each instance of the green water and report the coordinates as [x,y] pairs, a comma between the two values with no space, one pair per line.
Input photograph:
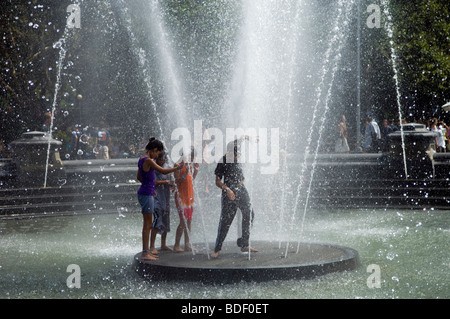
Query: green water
[409,247]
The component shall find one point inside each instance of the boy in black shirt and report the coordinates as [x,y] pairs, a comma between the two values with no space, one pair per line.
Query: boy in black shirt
[234,196]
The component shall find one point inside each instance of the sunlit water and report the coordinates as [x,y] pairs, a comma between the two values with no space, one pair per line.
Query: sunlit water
[410,247]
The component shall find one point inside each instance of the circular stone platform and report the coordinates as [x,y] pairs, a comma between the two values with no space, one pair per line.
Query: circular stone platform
[313,259]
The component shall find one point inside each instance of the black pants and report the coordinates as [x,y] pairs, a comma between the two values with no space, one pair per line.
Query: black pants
[229,208]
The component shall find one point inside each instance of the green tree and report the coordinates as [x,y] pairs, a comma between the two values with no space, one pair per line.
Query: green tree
[421,36]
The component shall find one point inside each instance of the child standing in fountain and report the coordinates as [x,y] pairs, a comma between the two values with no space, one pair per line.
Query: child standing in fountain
[184,200]
[164,184]
[234,196]
[146,175]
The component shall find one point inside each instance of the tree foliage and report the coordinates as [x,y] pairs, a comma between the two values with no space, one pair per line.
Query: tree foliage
[422,30]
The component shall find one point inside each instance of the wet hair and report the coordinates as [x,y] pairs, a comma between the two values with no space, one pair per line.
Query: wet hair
[154,143]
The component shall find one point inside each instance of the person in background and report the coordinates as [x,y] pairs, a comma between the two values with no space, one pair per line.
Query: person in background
[85,147]
[385,130]
[4,150]
[341,145]
[392,125]
[439,130]
[74,143]
[372,135]
[102,142]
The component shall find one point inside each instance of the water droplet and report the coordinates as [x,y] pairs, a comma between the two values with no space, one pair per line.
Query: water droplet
[390,256]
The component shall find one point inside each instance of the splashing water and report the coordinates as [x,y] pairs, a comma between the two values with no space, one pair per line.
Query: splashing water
[267,73]
[335,46]
[394,58]
[62,55]
[143,63]
[285,172]
[174,86]
[199,206]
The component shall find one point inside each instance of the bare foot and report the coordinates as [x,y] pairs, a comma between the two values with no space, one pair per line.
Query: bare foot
[215,254]
[178,249]
[164,247]
[248,248]
[149,256]
[154,251]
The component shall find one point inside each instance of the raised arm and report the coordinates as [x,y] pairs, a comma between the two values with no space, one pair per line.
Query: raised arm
[149,163]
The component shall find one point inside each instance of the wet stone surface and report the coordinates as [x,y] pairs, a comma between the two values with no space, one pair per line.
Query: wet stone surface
[270,263]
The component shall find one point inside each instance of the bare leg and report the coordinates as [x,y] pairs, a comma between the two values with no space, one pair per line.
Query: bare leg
[146,228]
[153,234]
[187,231]
[163,242]
[180,230]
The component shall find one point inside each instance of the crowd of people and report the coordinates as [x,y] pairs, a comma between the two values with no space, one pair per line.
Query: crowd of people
[375,138]
[90,144]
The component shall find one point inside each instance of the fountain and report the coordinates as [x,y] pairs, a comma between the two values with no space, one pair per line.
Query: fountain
[267,71]
[268,45]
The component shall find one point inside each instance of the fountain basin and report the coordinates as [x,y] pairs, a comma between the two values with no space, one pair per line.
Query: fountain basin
[418,141]
[30,157]
[270,263]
